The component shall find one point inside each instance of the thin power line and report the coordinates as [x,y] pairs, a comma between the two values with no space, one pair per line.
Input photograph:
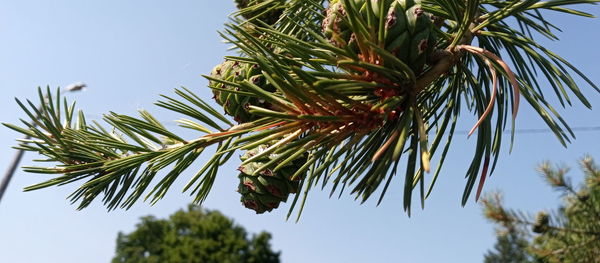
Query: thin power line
[517,131]
[545,130]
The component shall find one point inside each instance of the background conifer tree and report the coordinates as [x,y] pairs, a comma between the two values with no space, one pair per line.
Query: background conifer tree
[511,247]
[569,234]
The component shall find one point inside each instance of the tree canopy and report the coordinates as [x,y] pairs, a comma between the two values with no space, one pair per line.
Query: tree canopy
[195,235]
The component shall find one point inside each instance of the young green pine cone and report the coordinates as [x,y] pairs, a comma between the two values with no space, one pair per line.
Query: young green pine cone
[264,191]
[271,15]
[409,32]
[235,104]
[541,223]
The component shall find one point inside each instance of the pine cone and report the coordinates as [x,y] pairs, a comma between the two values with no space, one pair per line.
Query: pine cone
[234,104]
[409,31]
[541,223]
[269,17]
[264,191]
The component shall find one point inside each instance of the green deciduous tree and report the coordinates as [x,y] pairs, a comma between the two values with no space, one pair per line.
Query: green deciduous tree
[348,94]
[195,235]
[569,234]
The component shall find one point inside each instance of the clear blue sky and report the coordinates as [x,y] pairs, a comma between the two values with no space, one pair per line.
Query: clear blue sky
[128,52]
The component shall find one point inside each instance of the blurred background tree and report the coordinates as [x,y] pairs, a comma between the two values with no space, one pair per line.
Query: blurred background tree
[195,235]
[511,247]
[571,233]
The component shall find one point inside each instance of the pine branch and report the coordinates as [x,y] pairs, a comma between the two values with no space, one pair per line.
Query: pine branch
[354,105]
[113,162]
